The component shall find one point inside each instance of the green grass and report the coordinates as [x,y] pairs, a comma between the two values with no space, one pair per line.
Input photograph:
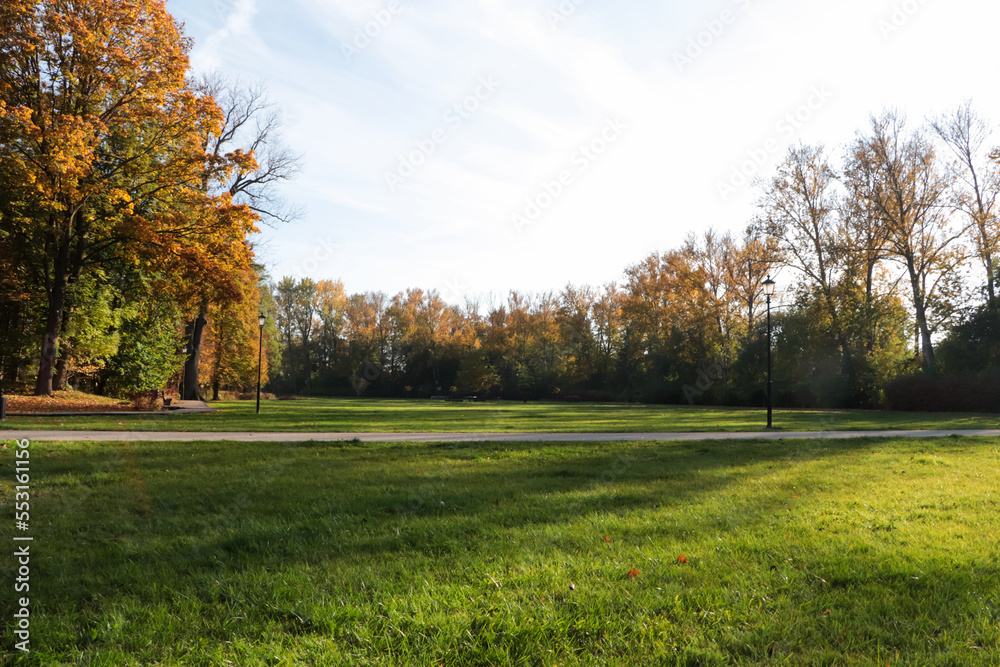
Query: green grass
[812,552]
[376,415]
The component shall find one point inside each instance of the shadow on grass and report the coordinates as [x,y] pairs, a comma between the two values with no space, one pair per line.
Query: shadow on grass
[133,521]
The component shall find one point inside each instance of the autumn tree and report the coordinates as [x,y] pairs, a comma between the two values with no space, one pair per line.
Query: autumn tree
[574,318]
[331,309]
[751,258]
[247,161]
[802,210]
[232,343]
[608,327]
[99,137]
[897,172]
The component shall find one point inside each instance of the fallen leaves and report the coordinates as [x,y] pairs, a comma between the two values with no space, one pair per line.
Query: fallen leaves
[682,559]
[66,401]
[632,574]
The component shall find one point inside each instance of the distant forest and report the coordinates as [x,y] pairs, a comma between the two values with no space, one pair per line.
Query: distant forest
[886,258]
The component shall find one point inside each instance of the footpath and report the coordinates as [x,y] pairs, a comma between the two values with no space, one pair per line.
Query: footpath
[258,436]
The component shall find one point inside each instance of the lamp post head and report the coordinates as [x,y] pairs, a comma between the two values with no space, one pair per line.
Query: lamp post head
[262,319]
[768,286]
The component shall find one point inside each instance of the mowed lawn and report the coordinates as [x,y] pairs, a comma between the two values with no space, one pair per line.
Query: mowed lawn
[813,552]
[387,415]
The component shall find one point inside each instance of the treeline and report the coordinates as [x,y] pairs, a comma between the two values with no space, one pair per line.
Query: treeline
[886,259]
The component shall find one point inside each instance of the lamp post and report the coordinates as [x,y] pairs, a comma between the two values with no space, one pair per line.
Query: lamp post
[260,356]
[184,351]
[768,291]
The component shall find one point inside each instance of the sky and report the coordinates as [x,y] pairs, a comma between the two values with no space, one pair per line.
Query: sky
[478,146]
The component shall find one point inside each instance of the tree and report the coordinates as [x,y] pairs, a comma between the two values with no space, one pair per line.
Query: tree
[232,347]
[800,208]
[250,139]
[99,138]
[295,304]
[751,260]
[331,307]
[897,173]
[475,374]
[247,162]
[147,356]
[977,177]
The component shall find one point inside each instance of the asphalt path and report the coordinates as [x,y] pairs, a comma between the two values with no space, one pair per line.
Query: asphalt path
[257,436]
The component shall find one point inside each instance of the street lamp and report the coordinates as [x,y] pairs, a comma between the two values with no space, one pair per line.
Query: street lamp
[184,351]
[260,356]
[768,291]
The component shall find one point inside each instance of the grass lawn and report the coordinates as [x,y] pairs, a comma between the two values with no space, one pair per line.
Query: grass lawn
[378,415]
[811,552]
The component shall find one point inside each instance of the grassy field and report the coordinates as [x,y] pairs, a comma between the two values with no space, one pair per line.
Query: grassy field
[812,552]
[384,415]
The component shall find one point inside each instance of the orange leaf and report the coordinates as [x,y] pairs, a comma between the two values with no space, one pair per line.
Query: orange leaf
[632,574]
[682,558]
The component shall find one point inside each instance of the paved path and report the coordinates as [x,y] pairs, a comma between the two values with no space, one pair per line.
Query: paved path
[247,436]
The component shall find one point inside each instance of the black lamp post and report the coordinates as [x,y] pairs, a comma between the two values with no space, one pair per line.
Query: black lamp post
[184,351]
[768,291]
[260,356]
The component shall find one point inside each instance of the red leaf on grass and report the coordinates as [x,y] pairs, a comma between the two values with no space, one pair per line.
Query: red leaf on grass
[632,574]
[682,559]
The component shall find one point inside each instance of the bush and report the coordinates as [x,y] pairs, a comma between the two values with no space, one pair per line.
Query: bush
[147,356]
[956,392]
[147,400]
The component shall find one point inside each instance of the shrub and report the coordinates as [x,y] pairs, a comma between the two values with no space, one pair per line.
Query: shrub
[956,392]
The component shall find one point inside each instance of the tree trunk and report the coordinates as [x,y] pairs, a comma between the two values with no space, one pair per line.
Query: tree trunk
[215,390]
[50,336]
[61,380]
[923,332]
[195,330]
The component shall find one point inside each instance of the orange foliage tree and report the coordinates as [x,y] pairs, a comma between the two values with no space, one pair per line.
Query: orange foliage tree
[100,138]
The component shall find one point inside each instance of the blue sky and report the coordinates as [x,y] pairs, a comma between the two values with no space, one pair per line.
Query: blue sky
[479,146]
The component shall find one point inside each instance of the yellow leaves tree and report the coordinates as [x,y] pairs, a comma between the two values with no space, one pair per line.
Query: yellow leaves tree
[100,141]
[232,344]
